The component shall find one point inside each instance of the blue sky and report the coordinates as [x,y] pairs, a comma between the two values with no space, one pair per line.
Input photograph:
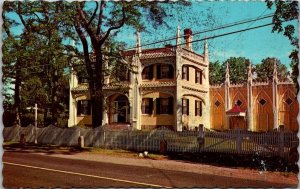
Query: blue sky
[255,44]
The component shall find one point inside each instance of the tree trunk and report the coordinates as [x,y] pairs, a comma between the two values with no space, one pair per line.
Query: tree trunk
[97,91]
[45,117]
[17,95]
[54,99]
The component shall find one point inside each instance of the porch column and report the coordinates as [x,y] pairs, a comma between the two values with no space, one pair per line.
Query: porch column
[178,98]
[227,96]
[249,98]
[135,116]
[275,95]
[105,112]
[72,102]
[134,94]
[206,112]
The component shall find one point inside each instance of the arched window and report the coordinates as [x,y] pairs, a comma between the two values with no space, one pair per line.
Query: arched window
[147,72]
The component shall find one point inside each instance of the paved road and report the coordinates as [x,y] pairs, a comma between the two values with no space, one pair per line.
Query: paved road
[34,170]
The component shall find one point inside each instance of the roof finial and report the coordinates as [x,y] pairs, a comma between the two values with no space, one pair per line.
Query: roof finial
[275,72]
[178,41]
[206,51]
[249,72]
[138,43]
[227,76]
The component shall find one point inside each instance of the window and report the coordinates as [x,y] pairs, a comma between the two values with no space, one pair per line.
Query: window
[198,108]
[185,72]
[147,105]
[148,73]
[239,103]
[217,103]
[262,101]
[83,80]
[165,71]
[164,105]
[124,75]
[185,106]
[289,101]
[83,107]
[198,78]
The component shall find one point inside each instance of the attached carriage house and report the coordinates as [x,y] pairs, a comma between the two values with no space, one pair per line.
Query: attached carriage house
[170,88]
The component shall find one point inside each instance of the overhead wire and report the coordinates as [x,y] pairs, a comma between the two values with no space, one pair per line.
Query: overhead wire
[210,30]
[197,33]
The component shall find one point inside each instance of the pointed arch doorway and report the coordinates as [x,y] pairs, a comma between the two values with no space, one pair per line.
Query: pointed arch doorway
[119,111]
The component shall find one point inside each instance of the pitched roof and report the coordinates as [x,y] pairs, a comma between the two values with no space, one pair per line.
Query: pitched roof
[149,51]
[236,111]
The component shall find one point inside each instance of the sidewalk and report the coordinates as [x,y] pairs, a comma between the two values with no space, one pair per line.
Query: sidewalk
[174,165]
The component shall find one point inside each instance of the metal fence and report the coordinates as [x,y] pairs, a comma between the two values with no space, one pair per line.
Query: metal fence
[233,141]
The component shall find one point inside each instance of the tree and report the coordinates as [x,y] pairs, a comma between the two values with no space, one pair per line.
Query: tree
[238,67]
[264,71]
[216,73]
[34,60]
[286,11]
[97,26]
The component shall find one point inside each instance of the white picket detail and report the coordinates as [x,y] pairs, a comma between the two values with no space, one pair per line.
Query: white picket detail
[241,142]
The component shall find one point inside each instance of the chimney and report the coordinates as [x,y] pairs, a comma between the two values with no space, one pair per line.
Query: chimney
[188,38]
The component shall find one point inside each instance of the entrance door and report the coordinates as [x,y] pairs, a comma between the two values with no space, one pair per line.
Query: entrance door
[120,110]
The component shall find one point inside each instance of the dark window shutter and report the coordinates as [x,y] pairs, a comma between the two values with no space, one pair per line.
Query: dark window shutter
[171,72]
[182,72]
[182,105]
[89,108]
[200,77]
[196,105]
[187,73]
[158,71]
[151,72]
[150,105]
[200,108]
[157,106]
[188,107]
[79,107]
[128,75]
[170,105]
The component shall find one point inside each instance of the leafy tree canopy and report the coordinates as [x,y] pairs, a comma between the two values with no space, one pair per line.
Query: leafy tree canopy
[264,71]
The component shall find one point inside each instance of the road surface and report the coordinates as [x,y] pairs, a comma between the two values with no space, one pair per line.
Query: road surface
[21,169]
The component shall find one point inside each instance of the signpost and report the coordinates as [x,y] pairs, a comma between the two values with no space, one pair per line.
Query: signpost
[35,121]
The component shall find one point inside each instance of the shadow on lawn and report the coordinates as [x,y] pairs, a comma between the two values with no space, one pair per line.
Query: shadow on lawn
[257,162]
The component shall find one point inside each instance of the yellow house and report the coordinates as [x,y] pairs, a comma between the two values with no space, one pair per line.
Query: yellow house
[170,88]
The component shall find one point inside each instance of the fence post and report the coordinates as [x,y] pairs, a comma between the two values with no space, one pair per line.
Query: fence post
[127,140]
[281,140]
[104,139]
[22,139]
[239,141]
[80,141]
[201,136]
[163,145]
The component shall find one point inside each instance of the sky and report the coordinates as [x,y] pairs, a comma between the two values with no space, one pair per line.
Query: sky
[255,44]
